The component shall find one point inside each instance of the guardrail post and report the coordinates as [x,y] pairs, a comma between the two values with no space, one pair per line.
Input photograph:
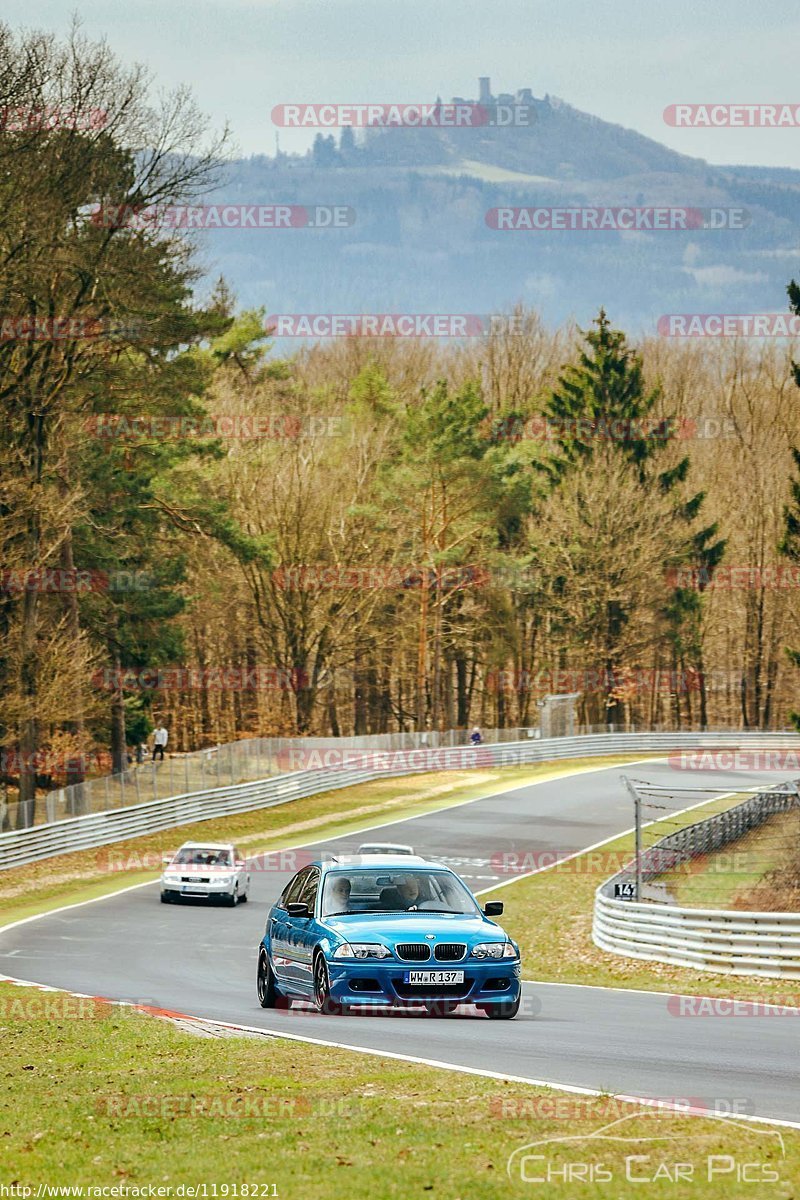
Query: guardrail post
[637,819]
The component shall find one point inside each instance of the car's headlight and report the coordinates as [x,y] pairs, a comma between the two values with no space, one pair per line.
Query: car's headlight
[362,950]
[171,877]
[494,950]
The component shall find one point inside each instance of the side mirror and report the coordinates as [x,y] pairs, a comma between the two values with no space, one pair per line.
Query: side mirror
[166,859]
[493,908]
[240,862]
[298,910]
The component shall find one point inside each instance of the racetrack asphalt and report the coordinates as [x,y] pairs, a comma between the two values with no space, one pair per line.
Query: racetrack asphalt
[200,960]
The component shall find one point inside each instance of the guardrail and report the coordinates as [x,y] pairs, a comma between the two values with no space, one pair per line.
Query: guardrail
[103,828]
[729,942]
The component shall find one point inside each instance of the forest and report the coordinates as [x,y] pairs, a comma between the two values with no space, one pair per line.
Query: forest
[365,534]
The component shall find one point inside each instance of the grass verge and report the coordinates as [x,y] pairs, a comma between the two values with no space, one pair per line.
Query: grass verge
[116,1098]
[550,915]
[735,877]
[87,874]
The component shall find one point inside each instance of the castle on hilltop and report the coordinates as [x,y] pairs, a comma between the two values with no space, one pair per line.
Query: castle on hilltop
[485,97]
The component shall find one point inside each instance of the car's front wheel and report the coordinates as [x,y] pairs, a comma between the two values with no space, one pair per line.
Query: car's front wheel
[232,898]
[268,994]
[503,1011]
[322,989]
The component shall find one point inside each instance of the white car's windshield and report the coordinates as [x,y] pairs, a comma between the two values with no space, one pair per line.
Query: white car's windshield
[199,856]
[395,891]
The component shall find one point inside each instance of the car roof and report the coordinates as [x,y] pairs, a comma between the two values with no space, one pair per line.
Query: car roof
[378,861]
[391,847]
[205,846]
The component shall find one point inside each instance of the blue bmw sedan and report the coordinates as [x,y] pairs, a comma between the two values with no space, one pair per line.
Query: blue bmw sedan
[386,931]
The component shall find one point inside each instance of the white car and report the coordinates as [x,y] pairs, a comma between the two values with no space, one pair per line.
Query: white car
[209,870]
[383,848]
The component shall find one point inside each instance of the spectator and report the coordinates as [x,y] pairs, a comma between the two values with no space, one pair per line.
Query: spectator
[475,737]
[160,737]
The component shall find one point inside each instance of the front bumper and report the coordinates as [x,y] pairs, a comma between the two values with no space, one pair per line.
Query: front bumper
[373,982]
[198,888]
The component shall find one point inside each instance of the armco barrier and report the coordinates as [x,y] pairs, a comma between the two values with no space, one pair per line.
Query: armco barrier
[724,942]
[98,829]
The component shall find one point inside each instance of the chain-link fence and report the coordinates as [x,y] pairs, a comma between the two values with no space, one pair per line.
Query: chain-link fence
[691,841]
[221,766]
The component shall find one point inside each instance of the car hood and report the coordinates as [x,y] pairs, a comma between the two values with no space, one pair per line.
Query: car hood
[413,927]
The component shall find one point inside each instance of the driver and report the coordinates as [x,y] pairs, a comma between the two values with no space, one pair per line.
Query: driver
[409,890]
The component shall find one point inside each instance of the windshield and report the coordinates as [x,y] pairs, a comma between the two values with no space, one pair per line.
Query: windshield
[199,856]
[395,891]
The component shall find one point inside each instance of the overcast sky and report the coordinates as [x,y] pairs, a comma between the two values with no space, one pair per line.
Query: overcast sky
[623,60]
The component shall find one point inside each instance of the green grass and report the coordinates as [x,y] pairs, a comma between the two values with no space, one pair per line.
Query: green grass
[84,875]
[119,1098]
[550,915]
[730,878]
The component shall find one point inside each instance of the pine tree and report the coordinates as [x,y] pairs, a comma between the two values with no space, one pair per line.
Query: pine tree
[602,402]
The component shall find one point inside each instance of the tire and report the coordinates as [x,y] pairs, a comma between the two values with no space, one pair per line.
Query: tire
[243,898]
[166,898]
[232,899]
[503,1011]
[268,994]
[322,989]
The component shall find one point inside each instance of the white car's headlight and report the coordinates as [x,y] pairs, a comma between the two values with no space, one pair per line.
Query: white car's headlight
[171,877]
[494,950]
[362,950]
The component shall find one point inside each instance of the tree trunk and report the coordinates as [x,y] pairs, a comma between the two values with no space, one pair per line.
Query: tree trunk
[119,760]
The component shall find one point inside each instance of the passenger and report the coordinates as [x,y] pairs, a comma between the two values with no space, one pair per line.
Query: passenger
[338,899]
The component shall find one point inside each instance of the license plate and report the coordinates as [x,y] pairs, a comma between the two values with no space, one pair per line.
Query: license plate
[427,977]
